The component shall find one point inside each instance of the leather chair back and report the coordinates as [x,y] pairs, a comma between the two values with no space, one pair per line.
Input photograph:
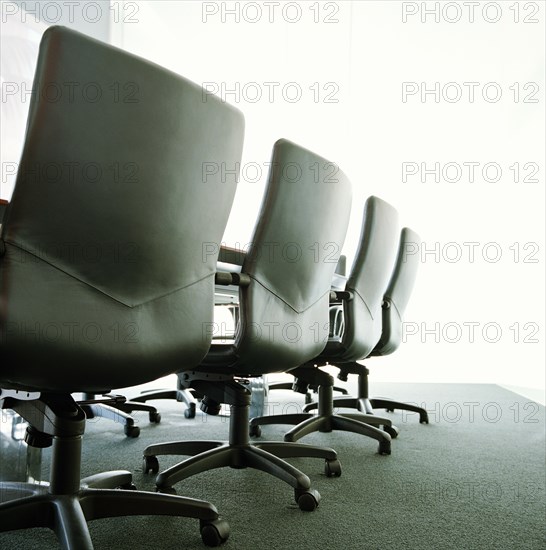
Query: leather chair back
[295,249]
[111,237]
[372,267]
[398,292]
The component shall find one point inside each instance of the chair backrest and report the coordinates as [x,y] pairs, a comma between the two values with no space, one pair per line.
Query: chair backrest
[110,239]
[369,277]
[295,249]
[398,292]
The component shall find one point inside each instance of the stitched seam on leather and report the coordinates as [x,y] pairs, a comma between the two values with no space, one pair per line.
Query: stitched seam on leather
[285,302]
[393,304]
[102,291]
[364,302]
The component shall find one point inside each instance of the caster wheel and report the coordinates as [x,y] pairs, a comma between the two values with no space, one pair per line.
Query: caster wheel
[215,532]
[423,418]
[155,417]
[385,448]
[392,431]
[189,413]
[166,490]
[131,431]
[128,487]
[332,468]
[150,464]
[308,500]
[390,410]
[254,430]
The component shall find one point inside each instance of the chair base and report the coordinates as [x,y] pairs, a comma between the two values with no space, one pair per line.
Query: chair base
[99,410]
[390,405]
[239,452]
[363,403]
[181,395]
[368,406]
[308,394]
[327,421]
[66,504]
[120,413]
[25,506]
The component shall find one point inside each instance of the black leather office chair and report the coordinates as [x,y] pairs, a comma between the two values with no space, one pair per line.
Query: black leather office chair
[395,302]
[103,280]
[284,288]
[361,301]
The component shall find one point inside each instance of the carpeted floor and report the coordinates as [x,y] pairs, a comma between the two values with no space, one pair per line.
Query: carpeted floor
[474,478]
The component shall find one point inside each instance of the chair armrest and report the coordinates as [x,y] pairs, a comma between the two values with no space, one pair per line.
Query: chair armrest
[236,256]
[231,279]
[341,267]
[338,296]
[233,256]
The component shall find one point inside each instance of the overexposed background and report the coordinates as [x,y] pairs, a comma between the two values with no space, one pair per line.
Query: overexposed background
[350,61]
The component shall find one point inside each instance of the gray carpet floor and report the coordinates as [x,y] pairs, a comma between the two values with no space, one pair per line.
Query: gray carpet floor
[474,478]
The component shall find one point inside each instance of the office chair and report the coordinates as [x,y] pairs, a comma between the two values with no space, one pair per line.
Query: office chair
[284,288]
[103,280]
[361,300]
[395,302]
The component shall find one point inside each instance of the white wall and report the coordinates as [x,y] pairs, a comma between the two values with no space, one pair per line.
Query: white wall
[370,132]
[364,51]
[230,55]
[388,132]
[22,23]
